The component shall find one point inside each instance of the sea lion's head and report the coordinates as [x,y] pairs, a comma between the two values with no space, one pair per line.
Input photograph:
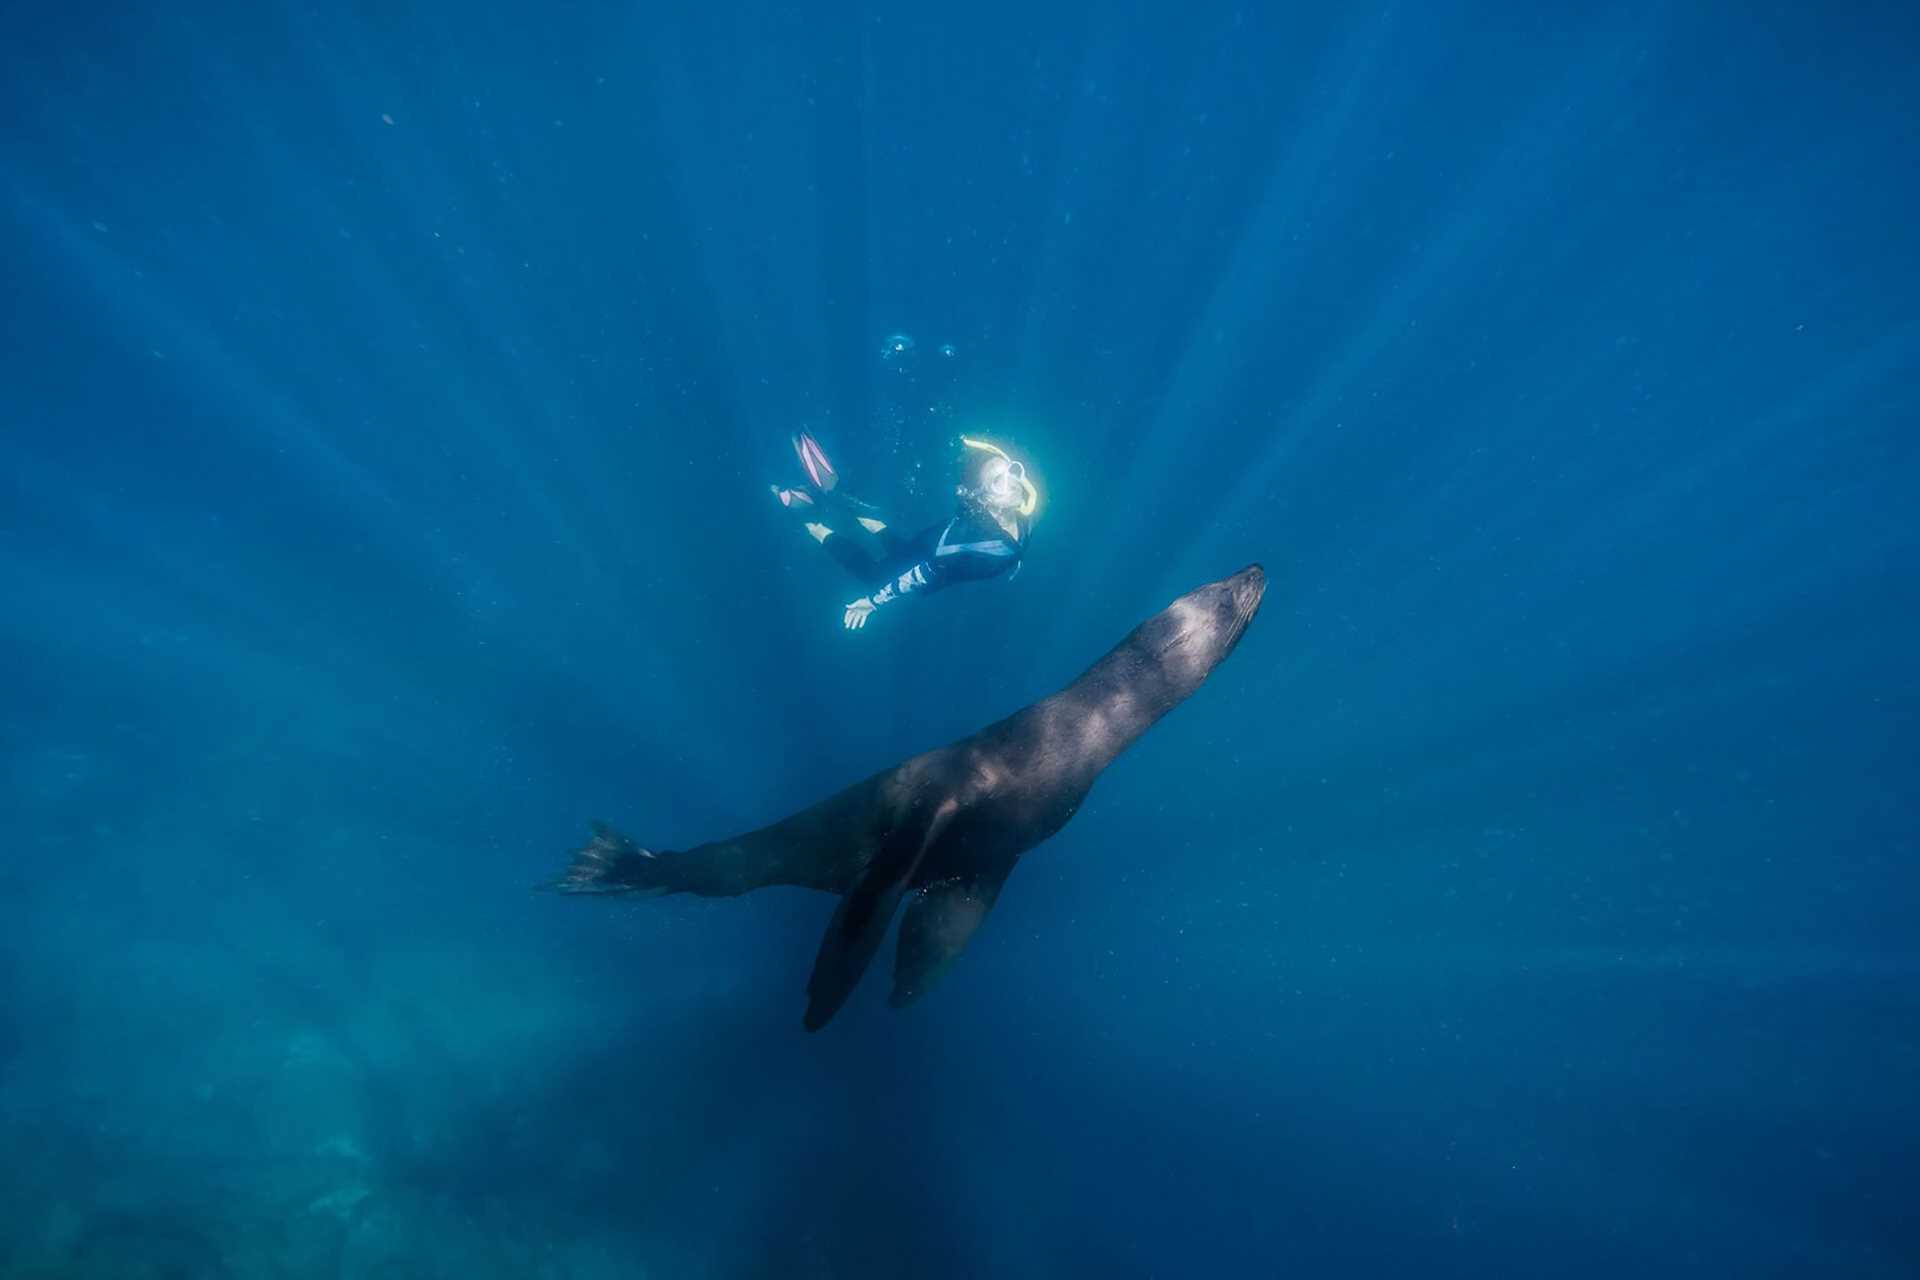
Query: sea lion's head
[1194,634]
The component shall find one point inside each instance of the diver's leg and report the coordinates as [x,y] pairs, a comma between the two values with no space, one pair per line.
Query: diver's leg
[849,531]
[851,515]
[862,555]
[881,558]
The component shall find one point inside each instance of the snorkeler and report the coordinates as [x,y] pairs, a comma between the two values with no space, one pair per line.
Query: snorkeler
[984,538]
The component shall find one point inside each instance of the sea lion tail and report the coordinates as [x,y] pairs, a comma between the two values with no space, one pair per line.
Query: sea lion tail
[611,863]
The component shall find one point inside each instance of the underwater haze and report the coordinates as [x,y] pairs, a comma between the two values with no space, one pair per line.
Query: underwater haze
[390,398]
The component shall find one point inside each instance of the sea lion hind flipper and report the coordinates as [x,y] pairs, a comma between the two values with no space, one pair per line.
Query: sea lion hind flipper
[860,922]
[940,921]
[611,863]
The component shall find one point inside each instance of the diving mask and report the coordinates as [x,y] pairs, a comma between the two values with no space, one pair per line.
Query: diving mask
[1003,483]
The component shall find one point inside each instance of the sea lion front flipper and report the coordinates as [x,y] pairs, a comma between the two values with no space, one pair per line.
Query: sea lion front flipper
[940,921]
[860,922]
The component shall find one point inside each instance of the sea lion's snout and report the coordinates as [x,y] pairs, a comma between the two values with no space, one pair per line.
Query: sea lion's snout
[1243,592]
[1249,586]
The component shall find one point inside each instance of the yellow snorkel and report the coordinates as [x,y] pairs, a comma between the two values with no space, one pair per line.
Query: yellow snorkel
[1015,469]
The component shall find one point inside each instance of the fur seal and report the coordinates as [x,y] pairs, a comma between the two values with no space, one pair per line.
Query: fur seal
[947,826]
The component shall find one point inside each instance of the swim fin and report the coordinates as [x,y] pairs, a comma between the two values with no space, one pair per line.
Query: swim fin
[814,459]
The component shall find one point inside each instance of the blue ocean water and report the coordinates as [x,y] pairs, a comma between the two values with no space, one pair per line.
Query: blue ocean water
[390,398]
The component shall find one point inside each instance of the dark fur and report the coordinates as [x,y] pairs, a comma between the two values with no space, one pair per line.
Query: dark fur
[946,827]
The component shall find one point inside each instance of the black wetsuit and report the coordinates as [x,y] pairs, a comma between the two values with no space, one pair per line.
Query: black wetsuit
[968,546]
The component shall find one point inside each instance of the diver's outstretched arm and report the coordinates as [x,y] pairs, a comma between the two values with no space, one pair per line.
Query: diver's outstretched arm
[924,576]
[958,554]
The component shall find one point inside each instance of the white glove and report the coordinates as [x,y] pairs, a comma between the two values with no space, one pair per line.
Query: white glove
[857,613]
